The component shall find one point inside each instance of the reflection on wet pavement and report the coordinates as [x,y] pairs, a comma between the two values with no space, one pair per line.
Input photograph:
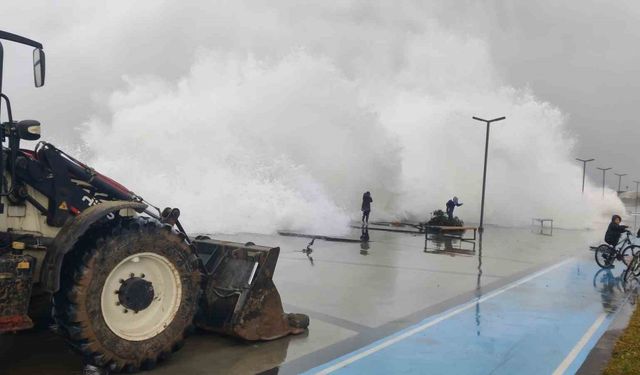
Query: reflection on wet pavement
[610,288]
[364,240]
[356,294]
[478,293]
[544,323]
[451,245]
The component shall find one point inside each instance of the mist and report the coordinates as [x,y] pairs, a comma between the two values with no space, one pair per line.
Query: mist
[254,118]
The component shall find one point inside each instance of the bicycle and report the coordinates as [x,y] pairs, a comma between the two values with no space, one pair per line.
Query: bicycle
[633,269]
[630,281]
[625,251]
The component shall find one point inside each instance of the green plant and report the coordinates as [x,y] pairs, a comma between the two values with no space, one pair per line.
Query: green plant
[439,217]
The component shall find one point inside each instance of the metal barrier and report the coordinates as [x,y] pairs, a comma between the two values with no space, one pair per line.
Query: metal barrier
[542,221]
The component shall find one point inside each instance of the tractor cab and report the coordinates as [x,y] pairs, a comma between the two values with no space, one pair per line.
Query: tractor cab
[38,56]
[11,129]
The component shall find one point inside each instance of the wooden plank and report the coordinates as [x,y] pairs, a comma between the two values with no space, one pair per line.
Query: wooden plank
[388,229]
[321,237]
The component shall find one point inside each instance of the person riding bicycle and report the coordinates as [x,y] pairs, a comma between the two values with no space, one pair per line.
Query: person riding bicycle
[614,231]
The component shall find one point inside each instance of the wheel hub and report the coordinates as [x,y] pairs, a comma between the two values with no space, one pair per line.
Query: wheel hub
[141,296]
[136,293]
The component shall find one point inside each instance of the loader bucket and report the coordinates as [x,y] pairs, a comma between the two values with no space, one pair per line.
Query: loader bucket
[239,297]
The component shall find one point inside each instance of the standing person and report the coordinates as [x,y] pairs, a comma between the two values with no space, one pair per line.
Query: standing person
[451,205]
[366,207]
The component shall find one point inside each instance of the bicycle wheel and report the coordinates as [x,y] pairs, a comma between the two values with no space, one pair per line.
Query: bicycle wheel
[629,283]
[634,266]
[628,253]
[605,255]
[628,274]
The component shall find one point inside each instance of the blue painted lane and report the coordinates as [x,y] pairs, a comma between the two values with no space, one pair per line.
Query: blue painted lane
[545,323]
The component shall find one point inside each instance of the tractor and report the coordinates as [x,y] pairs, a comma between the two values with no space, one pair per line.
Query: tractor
[126,281]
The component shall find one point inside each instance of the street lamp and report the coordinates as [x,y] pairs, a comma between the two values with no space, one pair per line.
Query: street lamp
[478,283]
[604,170]
[584,169]
[635,210]
[620,175]
[484,173]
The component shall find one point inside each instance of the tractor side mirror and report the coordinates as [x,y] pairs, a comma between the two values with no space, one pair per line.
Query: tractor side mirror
[29,130]
[38,67]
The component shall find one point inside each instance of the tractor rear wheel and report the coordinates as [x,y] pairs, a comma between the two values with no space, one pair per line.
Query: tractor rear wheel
[128,297]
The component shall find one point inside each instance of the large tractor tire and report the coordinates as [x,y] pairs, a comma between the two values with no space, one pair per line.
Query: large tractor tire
[128,294]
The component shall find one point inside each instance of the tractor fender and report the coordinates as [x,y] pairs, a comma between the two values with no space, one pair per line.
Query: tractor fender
[71,233]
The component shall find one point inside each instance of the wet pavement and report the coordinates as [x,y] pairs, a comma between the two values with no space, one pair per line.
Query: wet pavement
[521,298]
[536,325]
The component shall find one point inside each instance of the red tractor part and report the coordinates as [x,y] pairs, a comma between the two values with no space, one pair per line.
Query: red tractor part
[16,274]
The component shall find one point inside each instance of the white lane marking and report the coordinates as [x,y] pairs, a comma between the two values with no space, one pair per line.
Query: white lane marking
[468,305]
[580,345]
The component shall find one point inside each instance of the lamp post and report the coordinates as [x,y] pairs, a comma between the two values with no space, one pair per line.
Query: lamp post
[620,175]
[484,173]
[635,210]
[604,170]
[478,283]
[584,170]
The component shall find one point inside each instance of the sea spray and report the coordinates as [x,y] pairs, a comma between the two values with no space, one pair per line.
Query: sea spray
[242,146]
[248,144]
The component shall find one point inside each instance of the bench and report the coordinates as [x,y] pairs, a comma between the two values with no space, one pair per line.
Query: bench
[447,230]
[542,221]
[398,224]
[452,251]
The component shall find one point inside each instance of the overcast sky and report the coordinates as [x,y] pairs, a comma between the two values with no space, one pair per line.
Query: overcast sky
[581,56]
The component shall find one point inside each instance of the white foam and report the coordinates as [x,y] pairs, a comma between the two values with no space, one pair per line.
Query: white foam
[247,144]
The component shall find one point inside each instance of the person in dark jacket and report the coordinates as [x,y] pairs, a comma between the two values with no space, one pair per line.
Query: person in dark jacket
[614,231]
[366,207]
[451,205]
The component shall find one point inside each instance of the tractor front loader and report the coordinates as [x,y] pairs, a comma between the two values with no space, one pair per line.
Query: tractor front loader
[127,281]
